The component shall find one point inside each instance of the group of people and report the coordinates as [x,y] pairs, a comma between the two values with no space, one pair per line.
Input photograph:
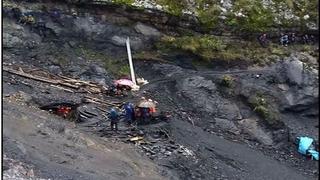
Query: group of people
[287,38]
[131,114]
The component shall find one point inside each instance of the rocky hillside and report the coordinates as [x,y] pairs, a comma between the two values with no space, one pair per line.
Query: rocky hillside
[244,15]
[236,107]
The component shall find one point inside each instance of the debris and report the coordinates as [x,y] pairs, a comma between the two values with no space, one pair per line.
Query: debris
[124,82]
[89,87]
[142,81]
[146,104]
[137,138]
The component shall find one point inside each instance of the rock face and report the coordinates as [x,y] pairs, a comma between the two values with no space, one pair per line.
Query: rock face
[146,30]
[250,126]
[206,99]
[294,70]
[227,125]
[302,96]
[97,74]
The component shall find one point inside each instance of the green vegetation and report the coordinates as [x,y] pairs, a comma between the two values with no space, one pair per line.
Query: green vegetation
[227,81]
[249,15]
[208,13]
[254,16]
[299,8]
[264,110]
[123,2]
[209,48]
[204,46]
[124,70]
[173,7]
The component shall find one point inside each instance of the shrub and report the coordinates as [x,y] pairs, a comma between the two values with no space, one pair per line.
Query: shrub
[204,46]
[173,7]
[227,80]
[208,13]
[263,109]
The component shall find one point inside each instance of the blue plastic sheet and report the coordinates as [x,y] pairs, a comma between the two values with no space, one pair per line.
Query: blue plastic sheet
[314,154]
[306,148]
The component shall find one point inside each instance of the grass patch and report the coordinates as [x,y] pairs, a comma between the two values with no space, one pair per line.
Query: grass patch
[173,7]
[262,107]
[204,46]
[123,2]
[227,81]
[209,48]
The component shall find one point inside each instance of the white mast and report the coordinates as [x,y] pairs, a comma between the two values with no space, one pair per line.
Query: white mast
[133,78]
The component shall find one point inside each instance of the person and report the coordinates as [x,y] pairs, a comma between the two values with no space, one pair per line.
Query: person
[145,112]
[41,26]
[305,39]
[16,12]
[129,112]
[312,39]
[284,39]
[114,119]
[263,40]
[292,38]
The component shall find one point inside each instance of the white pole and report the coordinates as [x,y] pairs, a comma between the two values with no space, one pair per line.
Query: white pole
[133,78]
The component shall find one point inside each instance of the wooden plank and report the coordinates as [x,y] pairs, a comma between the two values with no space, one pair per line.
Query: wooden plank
[101,101]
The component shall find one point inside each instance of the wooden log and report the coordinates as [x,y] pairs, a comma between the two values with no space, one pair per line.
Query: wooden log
[68,79]
[68,90]
[12,71]
[46,80]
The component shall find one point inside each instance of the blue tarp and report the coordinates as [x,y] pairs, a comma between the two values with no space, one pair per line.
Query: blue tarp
[306,148]
[314,154]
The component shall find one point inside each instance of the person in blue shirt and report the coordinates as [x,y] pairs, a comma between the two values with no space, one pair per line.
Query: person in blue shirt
[284,39]
[114,119]
[129,112]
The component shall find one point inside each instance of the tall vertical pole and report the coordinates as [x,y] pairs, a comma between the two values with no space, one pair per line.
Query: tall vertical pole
[133,78]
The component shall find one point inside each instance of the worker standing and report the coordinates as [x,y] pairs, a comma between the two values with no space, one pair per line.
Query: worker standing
[114,119]
[129,112]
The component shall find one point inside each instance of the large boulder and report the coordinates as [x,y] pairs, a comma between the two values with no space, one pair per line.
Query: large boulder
[303,94]
[135,42]
[294,70]
[298,72]
[147,30]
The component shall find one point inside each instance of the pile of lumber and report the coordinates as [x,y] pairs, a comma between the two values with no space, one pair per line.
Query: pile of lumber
[61,82]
